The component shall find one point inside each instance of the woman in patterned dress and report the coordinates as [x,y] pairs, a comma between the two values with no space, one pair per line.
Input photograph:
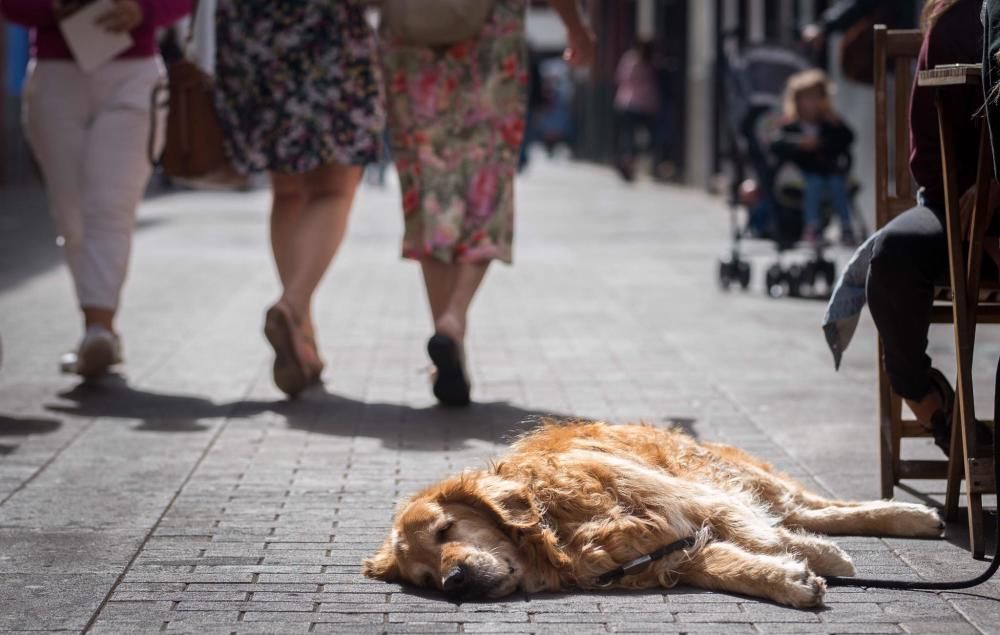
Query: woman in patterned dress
[456,119]
[299,95]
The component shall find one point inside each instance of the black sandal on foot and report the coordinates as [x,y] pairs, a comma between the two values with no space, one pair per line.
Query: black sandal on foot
[941,420]
[451,387]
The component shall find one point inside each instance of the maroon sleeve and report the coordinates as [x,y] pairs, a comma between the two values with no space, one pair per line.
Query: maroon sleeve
[30,13]
[159,13]
[948,42]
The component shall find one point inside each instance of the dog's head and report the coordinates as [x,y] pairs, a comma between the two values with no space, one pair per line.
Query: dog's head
[472,536]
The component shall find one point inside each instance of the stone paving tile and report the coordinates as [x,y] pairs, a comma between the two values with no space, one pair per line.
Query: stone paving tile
[249,514]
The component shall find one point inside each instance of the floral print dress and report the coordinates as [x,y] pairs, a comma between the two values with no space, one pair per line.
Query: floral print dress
[456,120]
[297,84]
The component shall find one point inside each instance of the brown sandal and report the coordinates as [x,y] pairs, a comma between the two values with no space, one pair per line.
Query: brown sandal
[296,366]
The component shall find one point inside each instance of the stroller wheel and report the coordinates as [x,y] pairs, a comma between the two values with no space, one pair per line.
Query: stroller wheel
[829,272]
[796,278]
[743,274]
[810,273]
[774,281]
[725,275]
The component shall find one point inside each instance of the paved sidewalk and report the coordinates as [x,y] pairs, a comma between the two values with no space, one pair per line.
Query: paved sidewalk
[189,496]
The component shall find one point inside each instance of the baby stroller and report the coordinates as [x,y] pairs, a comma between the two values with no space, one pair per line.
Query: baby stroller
[754,83]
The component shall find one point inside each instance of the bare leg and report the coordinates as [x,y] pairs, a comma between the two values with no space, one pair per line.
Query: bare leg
[453,321]
[723,566]
[450,289]
[93,316]
[439,279]
[289,198]
[308,224]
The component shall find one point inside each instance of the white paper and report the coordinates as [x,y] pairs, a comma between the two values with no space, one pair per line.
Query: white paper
[92,45]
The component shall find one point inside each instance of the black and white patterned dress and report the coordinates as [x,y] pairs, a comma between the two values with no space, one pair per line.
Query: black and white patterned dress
[297,84]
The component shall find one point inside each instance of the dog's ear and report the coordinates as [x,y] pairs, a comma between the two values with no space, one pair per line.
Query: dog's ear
[512,505]
[506,501]
[383,565]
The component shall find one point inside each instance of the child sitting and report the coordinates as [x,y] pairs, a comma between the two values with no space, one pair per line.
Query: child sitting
[817,141]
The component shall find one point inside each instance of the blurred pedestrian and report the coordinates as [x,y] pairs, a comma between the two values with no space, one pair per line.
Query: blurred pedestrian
[299,96]
[816,140]
[89,132]
[855,19]
[456,120]
[637,104]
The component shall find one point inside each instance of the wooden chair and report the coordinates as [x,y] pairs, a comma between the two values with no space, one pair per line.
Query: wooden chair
[895,55]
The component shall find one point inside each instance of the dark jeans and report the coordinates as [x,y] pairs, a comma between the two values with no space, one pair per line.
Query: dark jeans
[909,258]
[631,122]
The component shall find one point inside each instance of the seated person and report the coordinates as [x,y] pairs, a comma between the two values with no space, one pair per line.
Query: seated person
[817,141]
[910,254]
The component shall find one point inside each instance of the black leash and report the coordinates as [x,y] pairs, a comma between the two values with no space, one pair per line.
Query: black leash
[628,568]
[609,578]
[957,584]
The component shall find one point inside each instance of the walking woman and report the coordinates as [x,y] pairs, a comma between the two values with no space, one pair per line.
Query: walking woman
[299,95]
[456,119]
[89,132]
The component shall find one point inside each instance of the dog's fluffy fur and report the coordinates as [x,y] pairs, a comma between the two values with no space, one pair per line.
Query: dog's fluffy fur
[573,501]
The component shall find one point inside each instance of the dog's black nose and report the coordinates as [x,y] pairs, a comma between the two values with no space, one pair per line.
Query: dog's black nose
[456,580]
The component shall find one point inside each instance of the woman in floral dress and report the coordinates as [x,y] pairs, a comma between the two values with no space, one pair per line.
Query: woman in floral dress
[299,95]
[456,119]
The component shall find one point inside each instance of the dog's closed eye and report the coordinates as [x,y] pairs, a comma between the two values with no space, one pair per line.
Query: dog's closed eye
[441,535]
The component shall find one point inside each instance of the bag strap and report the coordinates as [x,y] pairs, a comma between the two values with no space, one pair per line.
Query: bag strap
[192,25]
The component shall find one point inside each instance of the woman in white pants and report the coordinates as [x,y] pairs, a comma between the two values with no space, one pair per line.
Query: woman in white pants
[89,132]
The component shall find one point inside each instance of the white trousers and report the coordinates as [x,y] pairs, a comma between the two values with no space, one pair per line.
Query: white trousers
[89,133]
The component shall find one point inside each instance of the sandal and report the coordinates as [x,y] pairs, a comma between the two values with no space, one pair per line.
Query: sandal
[295,364]
[451,386]
[941,421]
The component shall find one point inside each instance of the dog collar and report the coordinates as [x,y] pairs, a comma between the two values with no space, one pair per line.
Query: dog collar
[609,578]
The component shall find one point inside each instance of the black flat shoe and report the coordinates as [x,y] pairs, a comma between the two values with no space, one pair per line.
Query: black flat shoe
[941,420]
[451,387]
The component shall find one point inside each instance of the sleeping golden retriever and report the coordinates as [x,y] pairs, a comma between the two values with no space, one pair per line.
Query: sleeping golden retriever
[573,501]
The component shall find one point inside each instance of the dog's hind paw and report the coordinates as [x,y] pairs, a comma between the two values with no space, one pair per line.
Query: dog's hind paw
[802,589]
[918,521]
[836,562]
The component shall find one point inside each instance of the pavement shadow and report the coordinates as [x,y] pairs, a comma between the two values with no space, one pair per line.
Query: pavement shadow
[958,532]
[112,397]
[23,427]
[19,427]
[397,426]
[400,426]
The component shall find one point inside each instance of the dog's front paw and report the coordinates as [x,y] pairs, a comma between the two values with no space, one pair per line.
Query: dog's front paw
[917,521]
[801,587]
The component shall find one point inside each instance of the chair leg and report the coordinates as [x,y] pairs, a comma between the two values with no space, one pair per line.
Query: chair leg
[955,470]
[888,432]
[977,542]
[964,328]
[964,437]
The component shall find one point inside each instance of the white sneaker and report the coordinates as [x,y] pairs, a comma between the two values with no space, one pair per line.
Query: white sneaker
[99,350]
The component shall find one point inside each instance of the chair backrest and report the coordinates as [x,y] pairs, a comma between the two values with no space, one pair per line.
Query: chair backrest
[896,52]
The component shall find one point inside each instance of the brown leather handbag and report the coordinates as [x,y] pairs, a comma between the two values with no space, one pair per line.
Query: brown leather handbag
[193,146]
